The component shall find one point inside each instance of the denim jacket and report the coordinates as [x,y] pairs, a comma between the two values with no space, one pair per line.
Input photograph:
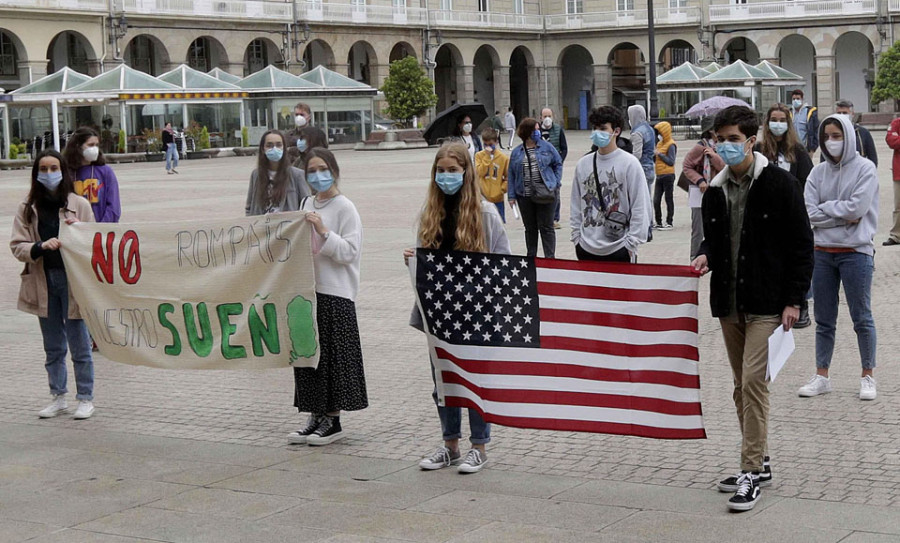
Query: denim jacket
[549,162]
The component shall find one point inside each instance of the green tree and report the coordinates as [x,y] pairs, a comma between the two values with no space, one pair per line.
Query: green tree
[245,137]
[887,82]
[408,90]
[204,138]
[123,142]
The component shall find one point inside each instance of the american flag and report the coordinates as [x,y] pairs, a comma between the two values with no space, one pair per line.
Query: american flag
[564,345]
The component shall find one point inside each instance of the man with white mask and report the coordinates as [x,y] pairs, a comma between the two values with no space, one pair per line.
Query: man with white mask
[553,132]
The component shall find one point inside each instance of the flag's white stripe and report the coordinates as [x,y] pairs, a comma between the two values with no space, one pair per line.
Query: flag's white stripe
[616,280]
[618,335]
[570,384]
[547,356]
[578,412]
[635,309]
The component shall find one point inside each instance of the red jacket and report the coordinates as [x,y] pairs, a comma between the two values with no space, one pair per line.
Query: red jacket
[893,141]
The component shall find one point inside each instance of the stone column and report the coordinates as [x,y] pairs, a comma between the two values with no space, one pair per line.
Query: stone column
[501,89]
[31,70]
[93,67]
[602,85]
[234,68]
[825,91]
[465,83]
[536,91]
[548,92]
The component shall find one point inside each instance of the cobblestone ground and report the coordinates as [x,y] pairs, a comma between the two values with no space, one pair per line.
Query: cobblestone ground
[832,448]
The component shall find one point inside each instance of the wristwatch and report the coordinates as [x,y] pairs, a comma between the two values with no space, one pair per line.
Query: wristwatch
[326,234]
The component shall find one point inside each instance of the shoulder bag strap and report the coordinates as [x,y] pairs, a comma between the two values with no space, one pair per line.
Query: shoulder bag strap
[597,183]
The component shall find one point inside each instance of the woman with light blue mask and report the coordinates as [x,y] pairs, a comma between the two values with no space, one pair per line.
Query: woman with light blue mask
[282,186]
[308,137]
[338,383]
[780,145]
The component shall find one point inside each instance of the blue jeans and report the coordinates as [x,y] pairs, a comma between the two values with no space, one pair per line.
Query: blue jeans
[854,271]
[502,209]
[171,156]
[59,331]
[451,421]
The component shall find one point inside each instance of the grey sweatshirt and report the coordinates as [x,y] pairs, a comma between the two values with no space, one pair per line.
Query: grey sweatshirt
[623,188]
[838,193]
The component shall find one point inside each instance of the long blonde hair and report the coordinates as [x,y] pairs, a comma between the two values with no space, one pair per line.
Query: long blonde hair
[469,223]
[770,147]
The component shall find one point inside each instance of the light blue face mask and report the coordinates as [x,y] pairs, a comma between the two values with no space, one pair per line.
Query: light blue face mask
[301,145]
[777,128]
[274,154]
[51,180]
[797,104]
[320,181]
[732,153]
[601,138]
[449,182]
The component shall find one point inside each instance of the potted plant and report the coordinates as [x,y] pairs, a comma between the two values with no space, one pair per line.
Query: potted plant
[200,135]
[153,139]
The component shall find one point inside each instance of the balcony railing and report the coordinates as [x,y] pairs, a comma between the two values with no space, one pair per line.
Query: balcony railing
[895,5]
[356,13]
[224,9]
[58,5]
[735,13]
[623,19]
[485,19]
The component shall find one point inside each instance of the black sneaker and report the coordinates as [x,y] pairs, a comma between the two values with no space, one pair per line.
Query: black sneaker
[730,484]
[329,431]
[299,437]
[748,493]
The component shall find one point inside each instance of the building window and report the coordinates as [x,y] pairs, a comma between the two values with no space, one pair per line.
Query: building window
[519,6]
[446,5]
[358,5]
[8,59]
[257,56]
[142,55]
[677,4]
[483,6]
[198,55]
[625,5]
[574,6]
[77,55]
[399,6]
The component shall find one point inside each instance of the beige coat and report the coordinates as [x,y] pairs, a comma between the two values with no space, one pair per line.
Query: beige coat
[33,290]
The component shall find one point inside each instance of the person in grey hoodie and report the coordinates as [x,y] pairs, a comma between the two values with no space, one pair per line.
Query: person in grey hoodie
[643,142]
[842,201]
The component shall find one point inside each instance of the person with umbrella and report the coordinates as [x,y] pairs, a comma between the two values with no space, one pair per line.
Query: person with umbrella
[701,165]
[463,131]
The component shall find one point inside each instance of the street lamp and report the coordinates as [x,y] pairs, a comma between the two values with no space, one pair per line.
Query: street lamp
[654,98]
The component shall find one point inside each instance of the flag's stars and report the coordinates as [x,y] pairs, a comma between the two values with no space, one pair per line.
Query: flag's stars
[459,268]
[517,309]
[429,295]
[469,297]
[430,313]
[516,290]
[527,338]
[495,270]
[498,289]
[458,287]
[525,282]
[476,327]
[479,288]
[469,278]
[449,257]
[457,306]
[489,298]
[448,296]
[467,316]
[498,327]
[466,336]
[523,263]
[478,307]
[487,319]
[437,323]
[449,277]
[486,278]
[505,262]
[507,298]
[498,309]
[527,300]
[487,336]
[438,304]
[507,317]
[486,261]
[438,286]
[527,319]
[514,272]
[505,281]
[467,260]
[430,276]
[447,334]
[477,270]
[517,328]
[457,325]
[447,315]
[507,338]
[439,267]
[430,257]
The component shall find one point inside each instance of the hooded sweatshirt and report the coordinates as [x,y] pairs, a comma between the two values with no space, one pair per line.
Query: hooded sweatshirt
[838,193]
[665,161]
[643,140]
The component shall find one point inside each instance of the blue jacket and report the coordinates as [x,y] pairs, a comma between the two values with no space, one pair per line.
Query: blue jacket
[549,162]
[648,147]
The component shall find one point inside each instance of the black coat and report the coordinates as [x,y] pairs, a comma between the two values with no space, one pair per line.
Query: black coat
[776,251]
[802,164]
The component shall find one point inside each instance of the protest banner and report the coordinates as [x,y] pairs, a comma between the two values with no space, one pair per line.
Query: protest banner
[201,294]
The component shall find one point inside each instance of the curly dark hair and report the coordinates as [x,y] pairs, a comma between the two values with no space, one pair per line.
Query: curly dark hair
[607,114]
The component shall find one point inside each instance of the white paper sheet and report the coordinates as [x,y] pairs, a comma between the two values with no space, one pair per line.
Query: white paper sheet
[695,196]
[781,345]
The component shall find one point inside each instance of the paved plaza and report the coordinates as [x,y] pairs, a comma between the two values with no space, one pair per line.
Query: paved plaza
[196,456]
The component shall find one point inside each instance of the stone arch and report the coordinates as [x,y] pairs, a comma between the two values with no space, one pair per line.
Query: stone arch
[402,50]
[854,69]
[485,73]
[259,53]
[740,48]
[72,49]
[628,69]
[12,51]
[576,97]
[448,62]
[148,54]
[796,53]
[362,63]
[521,62]
[675,53]
[206,53]
[318,53]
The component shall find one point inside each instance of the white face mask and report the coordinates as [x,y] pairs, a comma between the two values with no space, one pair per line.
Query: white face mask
[548,122]
[300,121]
[91,153]
[467,128]
[835,148]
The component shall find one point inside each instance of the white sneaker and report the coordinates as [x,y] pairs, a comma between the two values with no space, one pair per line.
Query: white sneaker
[867,388]
[816,386]
[84,411]
[58,406]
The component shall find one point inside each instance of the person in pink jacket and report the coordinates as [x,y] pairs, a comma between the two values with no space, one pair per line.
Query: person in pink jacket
[700,166]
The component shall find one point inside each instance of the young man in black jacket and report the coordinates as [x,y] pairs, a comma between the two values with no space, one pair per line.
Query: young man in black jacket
[759,246]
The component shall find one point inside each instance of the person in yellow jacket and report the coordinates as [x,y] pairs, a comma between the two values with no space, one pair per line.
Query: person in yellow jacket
[665,176]
[491,167]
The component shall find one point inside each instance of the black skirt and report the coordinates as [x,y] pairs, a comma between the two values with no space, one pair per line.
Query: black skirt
[339,382]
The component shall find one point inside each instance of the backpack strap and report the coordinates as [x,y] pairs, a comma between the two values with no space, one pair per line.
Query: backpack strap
[809,113]
[859,144]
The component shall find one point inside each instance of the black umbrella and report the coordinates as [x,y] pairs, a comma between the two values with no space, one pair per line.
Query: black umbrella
[444,123]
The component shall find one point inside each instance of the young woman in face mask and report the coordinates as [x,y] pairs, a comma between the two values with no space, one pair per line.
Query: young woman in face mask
[842,201]
[455,217]
[45,290]
[700,166]
[308,137]
[463,131]
[93,178]
[780,144]
[275,185]
[339,382]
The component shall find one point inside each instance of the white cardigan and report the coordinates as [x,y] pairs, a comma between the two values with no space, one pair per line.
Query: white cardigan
[337,258]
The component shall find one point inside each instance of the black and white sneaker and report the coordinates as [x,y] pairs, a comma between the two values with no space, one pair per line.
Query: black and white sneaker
[748,493]
[299,437]
[329,431]
[730,484]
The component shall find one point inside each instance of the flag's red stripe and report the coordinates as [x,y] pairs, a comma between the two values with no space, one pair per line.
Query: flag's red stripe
[667,297]
[573,371]
[662,270]
[615,320]
[567,425]
[586,399]
[688,352]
